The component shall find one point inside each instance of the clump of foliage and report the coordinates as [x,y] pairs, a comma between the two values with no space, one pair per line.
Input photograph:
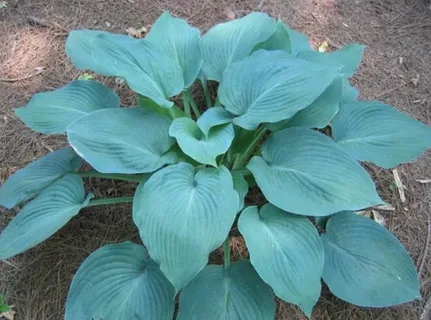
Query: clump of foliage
[195,168]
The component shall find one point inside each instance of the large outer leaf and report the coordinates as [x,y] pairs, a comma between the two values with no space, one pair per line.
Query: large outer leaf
[270,86]
[232,41]
[304,172]
[200,148]
[29,181]
[52,112]
[230,294]
[180,42]
[286,251]
[365,264]
[285,39]
[124,140]
[147,70]
[118,281]
[183,214]
[43,216]
[319,113]
[349,57]
[375,132]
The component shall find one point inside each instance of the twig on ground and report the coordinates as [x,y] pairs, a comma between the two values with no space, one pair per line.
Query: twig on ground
[47,24]
[392,90]
[22,78]
[426,311]
[427,242]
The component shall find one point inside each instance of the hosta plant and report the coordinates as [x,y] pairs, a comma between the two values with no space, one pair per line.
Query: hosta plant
[193,165]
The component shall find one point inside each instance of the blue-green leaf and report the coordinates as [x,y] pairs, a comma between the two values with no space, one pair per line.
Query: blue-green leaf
[229,294]
[350,93]
[304,172]
[182,215]
[145,68]
[119,281]
[319,113]
[123,140]
[241,186]
[349,57]
[213,117]
[193,142]
[365,264]
[287,253]
[270,86]
[29,181]
[180,42]
[43,216]
[371,131]
[232,41]
[51,112]
[285,39]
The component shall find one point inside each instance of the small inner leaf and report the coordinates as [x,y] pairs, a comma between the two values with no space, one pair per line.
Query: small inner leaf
[195,144]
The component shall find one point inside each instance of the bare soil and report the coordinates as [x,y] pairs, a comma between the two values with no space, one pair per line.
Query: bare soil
[396,70]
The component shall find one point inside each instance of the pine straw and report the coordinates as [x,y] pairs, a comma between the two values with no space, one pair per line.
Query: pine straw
[37,281]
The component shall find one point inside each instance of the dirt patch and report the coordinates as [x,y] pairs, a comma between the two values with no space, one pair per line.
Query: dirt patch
[396,69]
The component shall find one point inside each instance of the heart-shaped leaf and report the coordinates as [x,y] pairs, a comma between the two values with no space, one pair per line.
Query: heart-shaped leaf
[349,57]
[285,39]
[29,181]
[370,131]
[123,140]
[180,42]
[52,112]
[304,172]
[43,216]
[319,113]
[145,68]
[232,41]
[182,215]
[193,142]
[230,294]
[270,86]
[119,281]
[365,264]
[287,253]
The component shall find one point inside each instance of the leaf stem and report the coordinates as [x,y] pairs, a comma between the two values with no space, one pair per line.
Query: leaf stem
[239,162]
[193,104]
[242,171]
[186,105]
[207,94]
[115,176]
[226,251]
[99,202]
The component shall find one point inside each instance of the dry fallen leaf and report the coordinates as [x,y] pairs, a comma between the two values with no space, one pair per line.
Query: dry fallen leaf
[377,217]
[424,181]
[108,24]
[399,185]
[415,80]
[3,4]
[229,13]
[323,47]
[385,207]
[137,33]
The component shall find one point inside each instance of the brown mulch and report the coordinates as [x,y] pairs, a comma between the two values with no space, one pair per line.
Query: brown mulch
[396,69]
